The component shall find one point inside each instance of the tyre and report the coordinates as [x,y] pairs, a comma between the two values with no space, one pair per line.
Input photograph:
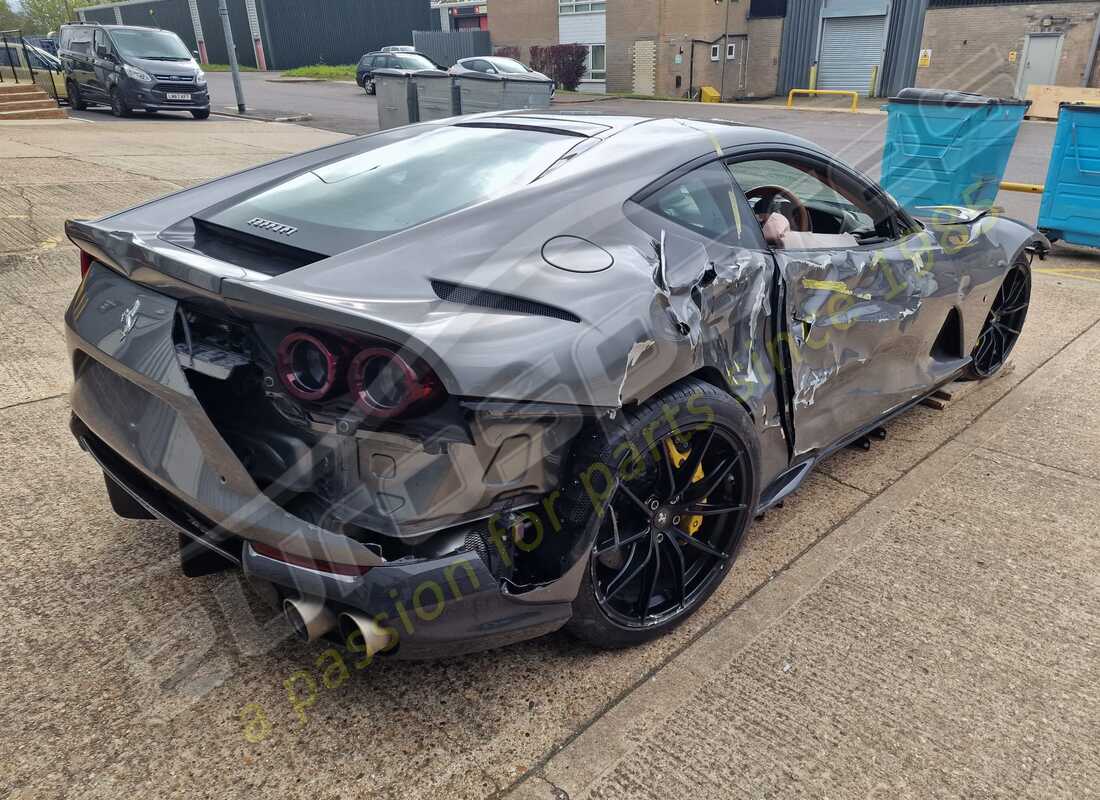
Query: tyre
[201,113]
[197,560]
[151,111]
[368,87]
[118,105]
[670,492]
[1003,324]
[75,100]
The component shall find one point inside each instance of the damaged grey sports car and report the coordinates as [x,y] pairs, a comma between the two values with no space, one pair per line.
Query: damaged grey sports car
[463,383]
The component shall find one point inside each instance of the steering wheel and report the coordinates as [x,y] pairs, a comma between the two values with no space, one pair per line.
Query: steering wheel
[766,196]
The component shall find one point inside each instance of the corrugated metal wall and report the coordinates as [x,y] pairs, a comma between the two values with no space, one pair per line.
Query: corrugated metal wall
[899,70]
[169,15]
[212,30]
[798,47]
[294,32]
[105,16]
[446,47]
[336,31]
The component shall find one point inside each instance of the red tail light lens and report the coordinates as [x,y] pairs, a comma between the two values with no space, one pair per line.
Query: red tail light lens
[308,366]
[334,567]
[384,384]
[85,264]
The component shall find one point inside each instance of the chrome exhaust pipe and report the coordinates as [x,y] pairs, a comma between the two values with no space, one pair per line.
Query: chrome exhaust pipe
[309,617]
[375,637]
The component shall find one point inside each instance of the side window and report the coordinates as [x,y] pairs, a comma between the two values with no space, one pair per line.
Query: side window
[100,42]
[809,197]
[478,65]
[704,202]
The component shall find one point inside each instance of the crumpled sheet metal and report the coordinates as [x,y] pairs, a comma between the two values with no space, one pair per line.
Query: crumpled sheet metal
[720,305]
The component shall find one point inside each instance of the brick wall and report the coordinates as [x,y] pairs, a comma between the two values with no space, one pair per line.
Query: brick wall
[971,45]
[763,65]
[628,21]
[680,22]
[522,23]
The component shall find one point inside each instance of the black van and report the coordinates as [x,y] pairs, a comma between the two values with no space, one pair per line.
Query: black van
[129,67]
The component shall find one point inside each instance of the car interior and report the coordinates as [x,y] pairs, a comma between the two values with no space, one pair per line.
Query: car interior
[802,206]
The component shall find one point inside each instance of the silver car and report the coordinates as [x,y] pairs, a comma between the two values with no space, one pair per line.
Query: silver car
[462,383]
[494,65]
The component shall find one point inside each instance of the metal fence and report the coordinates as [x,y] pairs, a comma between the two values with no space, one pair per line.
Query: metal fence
[447,47]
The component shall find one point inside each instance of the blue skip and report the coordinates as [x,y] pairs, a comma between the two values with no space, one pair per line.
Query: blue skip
[948,148]
[1071,196]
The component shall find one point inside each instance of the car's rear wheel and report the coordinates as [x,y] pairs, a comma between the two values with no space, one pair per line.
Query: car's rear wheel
[118,105]
[1003,324]
[683,494]
[75,100]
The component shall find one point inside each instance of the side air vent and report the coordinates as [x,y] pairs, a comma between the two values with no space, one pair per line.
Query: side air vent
[483,298]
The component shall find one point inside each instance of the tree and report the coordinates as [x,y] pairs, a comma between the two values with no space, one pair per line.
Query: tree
[45,16]
[564,63]
[9,18]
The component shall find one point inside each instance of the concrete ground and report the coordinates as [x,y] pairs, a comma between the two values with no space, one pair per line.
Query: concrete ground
[918,621]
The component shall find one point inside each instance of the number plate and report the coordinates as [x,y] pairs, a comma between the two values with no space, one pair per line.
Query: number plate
[178,96]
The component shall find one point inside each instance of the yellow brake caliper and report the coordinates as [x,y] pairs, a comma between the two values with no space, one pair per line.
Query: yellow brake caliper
[695,521]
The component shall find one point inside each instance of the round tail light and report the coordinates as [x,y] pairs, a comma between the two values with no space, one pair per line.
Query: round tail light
[307,366]
[384,384]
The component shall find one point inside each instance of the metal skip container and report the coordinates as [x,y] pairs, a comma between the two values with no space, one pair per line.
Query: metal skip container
[396,93]
[1070,210]
[437,95]
[480,92]
[948,148]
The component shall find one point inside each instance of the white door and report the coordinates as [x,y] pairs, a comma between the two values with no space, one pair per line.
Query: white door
[851,47]
[1040,62]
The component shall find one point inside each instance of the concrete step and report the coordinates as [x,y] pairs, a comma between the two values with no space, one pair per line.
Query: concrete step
[19,88]
[34,113]
[25,105]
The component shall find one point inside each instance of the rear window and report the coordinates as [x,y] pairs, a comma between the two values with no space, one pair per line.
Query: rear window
[79,40]
[412,61]
[402,184]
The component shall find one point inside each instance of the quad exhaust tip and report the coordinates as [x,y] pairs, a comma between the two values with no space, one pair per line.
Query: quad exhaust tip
[375,638]
[309,617]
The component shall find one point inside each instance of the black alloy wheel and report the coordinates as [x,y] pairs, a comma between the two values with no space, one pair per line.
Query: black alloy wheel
[670,532]
[75,100]
[118,107]
[1003,324]
[663,493]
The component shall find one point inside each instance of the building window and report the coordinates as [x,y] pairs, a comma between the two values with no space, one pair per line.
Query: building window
[714,52]
[597,62]
[731,51]
[575,7]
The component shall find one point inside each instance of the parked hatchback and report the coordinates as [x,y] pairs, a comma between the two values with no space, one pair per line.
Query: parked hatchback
[364,72]
[131,68]
[495,65]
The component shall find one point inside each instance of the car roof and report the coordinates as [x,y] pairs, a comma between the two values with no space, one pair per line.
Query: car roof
[113,27]
[723,134]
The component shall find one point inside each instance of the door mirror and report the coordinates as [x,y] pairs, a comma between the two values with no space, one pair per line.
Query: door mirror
[195,53]
[103,52]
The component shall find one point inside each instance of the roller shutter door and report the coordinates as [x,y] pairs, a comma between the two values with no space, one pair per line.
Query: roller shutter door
[850,47]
